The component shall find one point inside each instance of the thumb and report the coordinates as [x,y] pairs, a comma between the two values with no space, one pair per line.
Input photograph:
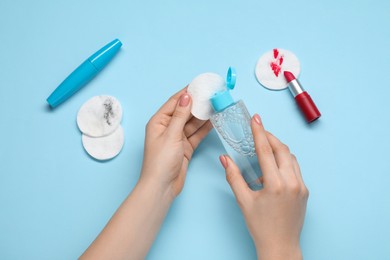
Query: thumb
[235,179]
[180,116]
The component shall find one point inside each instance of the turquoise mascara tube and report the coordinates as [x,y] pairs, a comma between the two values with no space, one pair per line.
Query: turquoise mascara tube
[84,73]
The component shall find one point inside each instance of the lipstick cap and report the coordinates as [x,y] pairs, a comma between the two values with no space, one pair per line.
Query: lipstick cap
[307,106]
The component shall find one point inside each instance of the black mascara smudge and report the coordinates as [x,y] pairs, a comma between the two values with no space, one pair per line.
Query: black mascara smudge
[108,113]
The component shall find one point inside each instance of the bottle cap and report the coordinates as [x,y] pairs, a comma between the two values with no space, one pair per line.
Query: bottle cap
[223,99]
[231,78]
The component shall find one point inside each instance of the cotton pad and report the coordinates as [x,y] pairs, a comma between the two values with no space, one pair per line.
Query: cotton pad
[99,116]
[201,89]
[106,147]
[270,68]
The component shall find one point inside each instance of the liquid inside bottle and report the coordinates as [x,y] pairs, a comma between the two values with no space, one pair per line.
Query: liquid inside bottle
[233,127]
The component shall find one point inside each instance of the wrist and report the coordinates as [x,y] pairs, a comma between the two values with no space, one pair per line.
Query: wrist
[279,251]
[155,188]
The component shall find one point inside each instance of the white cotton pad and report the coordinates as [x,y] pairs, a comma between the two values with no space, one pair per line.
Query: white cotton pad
[201,89]
[106,147]
[271,66]
[99,116]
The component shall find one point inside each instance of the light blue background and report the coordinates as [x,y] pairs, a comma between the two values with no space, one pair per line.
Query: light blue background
[54,199]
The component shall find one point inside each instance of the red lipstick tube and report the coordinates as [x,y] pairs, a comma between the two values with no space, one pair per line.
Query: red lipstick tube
[302,98]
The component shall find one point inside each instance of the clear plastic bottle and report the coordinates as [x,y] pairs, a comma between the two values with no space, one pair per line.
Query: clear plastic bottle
[233,125]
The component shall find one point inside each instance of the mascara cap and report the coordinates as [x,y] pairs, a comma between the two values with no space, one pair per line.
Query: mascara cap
[103,56]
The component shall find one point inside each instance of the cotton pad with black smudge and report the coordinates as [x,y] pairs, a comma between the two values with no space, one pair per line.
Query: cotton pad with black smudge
[99,116]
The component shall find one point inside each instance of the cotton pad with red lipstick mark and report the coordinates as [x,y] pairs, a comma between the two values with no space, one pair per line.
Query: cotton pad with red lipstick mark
[270,68]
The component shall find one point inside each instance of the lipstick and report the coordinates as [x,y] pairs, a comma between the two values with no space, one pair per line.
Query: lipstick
[302,98]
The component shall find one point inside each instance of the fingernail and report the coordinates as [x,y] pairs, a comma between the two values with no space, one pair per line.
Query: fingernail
[257,119]
[223,160]
[184,100]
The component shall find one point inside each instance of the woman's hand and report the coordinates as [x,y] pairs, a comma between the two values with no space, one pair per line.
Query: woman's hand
[275,214]
[172,135]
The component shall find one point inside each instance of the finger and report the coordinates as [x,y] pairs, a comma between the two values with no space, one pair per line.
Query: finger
[180,116]
[199,135]
[192,126]
[297,169]
[236,181]
[169,107]
[298,173]
[281,152]
[264,152]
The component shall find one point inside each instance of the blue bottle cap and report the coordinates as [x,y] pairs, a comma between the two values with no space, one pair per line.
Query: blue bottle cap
[231,78]
[223,99]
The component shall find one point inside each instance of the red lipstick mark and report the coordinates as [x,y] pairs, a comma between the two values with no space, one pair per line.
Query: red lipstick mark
[276,53]
[276,65]
[276,68]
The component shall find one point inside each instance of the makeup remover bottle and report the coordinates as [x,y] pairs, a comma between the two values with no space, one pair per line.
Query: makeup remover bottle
[232,122]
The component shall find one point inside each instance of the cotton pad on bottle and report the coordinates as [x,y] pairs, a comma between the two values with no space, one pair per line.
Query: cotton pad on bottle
[201,89]
[271,66]
[99,116]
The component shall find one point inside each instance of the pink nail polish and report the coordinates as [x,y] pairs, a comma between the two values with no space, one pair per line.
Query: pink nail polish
[223,161]
[184,100]
[257,119]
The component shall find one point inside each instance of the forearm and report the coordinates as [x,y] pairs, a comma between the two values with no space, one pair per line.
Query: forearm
[133,228]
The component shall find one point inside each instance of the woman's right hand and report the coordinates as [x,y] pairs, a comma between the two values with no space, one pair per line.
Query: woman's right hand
[275,214]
